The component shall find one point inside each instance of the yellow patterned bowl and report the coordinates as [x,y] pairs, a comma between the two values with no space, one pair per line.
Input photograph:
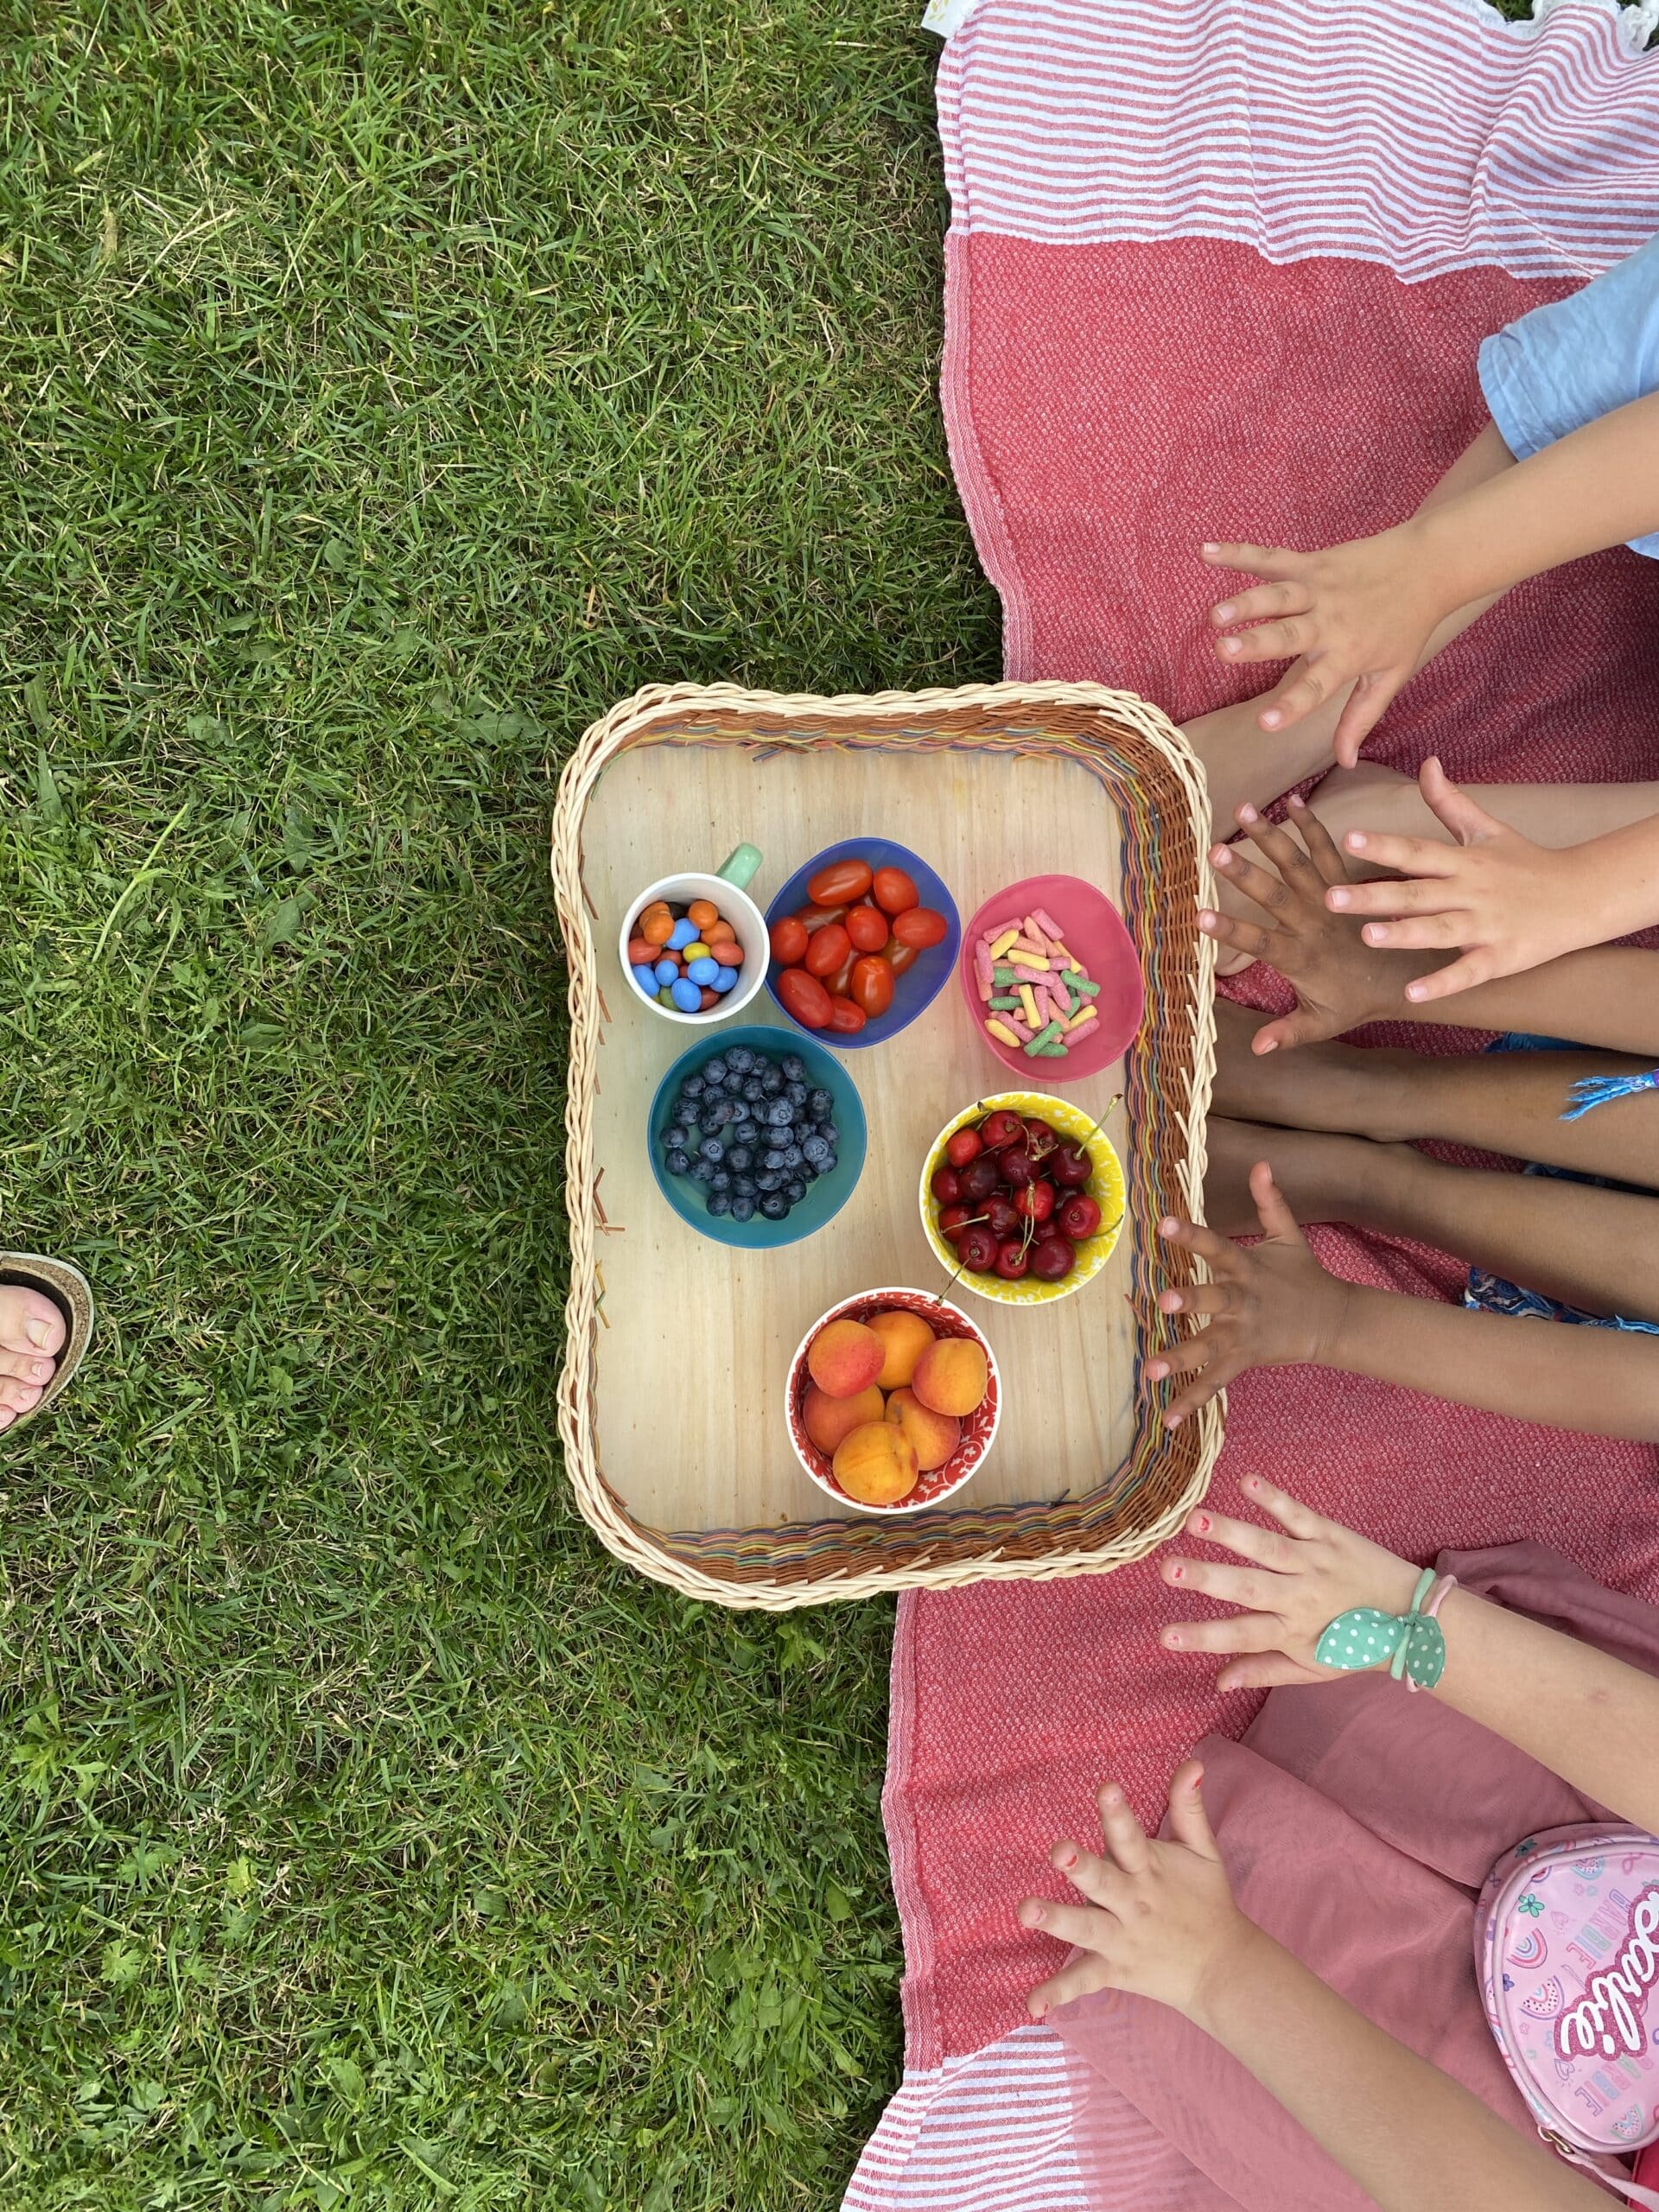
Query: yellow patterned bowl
[1105,1186]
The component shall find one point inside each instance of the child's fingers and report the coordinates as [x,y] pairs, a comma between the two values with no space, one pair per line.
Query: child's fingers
[1219,1251]
[1282,640]
[1294,866]
[1304,1025]
[1405,855]
[1256,560]
[1254,1589]
[1083,1978]
[1426,894]
[1272,1209]
[1189,1823]
[1481,966]
[1249,1539]
[1085,1925]
[1200,1298]
[1298,1520]
[1322,848]
[1126,1839]
[1188,1359]
[1216,1377]
[1248,937]
[1367,703]
[1425,933]
[1306,686]
[1469,824]
[1259,884]
[1239,1632]
[1267,1670]
[1261,602]
[1096,1879]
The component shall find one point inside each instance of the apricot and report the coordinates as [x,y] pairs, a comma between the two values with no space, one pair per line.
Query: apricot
[952,1376]
[876,1463]
[845,1358]
[907,1337]
[827,1420]
[936,1436]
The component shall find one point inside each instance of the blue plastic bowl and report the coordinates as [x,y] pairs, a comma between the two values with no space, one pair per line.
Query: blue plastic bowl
[926,976]
[825,1199]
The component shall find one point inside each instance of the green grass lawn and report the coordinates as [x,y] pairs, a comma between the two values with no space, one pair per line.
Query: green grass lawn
[386,391]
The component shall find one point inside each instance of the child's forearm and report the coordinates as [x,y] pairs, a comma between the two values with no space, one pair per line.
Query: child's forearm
[1552,1696]
[1607,996]
[1604,1382]
[1598,487]
[1406,2132]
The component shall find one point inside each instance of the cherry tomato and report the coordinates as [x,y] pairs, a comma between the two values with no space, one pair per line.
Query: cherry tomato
[871,984]
[812,918]
[842,881]
[946,1186]
[836,985]
[845,1019]
[867,928]
[966,1145]
[789,940]
[826,952]
[899,956]
[1001,1128]
[804,997]
[895,893]
[919,926]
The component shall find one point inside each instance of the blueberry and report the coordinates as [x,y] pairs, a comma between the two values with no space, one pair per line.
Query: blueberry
[702,1171]
[820,1105]
[772,1083]
[816,1152]
[678,1161]
[713,1071]
[755,1091]
[744,1185]
[720,1180]
[738,1158]
[796,1093]
[769,1180]
[780,1114]
[712,1150]
[676,1139]
[795,1191]
[719,1114]
[775,1205]
[746,1132]
[720,1202]
[692,1087]
[829,1133]
[739,1059]
[791,1067]
[743,1207]
[773,1159]
[792,1158]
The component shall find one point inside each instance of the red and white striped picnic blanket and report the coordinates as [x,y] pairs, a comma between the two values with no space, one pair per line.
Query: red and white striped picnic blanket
[1221,271]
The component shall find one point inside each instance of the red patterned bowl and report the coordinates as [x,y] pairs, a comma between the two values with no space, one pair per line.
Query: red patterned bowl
[978,1429]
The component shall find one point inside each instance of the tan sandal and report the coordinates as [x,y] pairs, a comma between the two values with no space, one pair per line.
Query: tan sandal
[71,1293]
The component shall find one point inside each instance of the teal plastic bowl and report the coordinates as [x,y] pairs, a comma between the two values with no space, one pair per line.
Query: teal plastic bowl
[825,1199]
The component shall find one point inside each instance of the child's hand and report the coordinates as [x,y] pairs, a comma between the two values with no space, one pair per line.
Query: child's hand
[1272,1306]
[1295,1587]
[1160,1921]
[1511,905]
[1340,980]
[1358,614]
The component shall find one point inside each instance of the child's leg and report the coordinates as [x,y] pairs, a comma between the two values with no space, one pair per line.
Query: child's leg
[1599,1249]
[1246,765]
[1372,798]
[1509,1103]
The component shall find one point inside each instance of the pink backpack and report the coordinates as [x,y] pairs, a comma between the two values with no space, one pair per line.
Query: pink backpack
[1567,1954]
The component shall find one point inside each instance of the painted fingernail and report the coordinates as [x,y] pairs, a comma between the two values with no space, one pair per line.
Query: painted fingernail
[1338,898]
[1201,1522]
[1067,1861]
[1272,719]
[1176,1572]
[1112,1795]
[39,1333]
[1038,2009]
[1038,1915]
[1172,1639]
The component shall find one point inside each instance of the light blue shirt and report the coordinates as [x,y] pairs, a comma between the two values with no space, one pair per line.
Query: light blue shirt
[1568,363]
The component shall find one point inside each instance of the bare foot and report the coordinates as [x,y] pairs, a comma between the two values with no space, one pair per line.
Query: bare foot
[1323,1177]
[32,1334]
[1347,1089]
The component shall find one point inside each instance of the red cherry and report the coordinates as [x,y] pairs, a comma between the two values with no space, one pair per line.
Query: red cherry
[1035,1203]
[1070,1165]
[1000,1130]
[966,1145]
[979,1178]
[1079,1217]
[1040,1139]
[1016,1167]
[1000,1217]
[946,1186]
[976,1248]
[1012,1260]
[1052,1259]
[954,1218]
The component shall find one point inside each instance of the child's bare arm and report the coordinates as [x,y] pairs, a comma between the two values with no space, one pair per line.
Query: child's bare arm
[1274,1306]
[1606,996]
[1533,1685]
[1361,613]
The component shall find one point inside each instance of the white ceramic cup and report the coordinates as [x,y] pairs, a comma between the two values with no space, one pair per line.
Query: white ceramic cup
[724,889]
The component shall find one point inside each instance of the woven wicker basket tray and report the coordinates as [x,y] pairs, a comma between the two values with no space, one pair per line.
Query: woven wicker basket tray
[670,1398]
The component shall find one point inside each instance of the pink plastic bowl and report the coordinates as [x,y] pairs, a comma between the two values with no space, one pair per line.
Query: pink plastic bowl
[1093,932]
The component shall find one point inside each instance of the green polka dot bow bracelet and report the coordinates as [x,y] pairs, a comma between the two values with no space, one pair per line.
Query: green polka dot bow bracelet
[1412,1643]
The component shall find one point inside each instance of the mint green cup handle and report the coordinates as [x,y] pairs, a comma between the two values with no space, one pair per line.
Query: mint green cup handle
[739,869]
